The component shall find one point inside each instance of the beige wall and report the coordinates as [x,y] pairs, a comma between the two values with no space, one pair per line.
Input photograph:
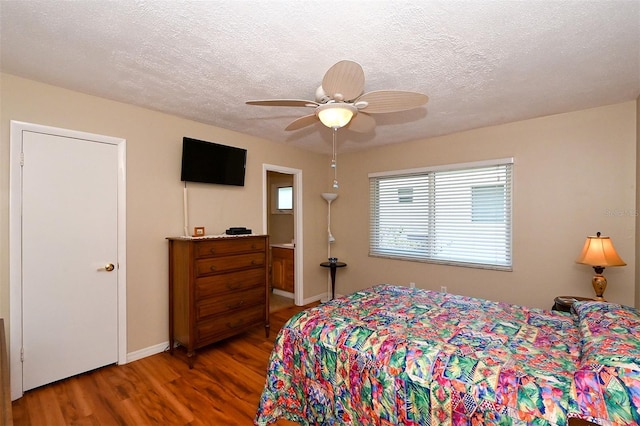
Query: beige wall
[154,191]
[574,175]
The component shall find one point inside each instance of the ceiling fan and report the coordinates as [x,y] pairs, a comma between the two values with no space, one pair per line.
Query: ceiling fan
[340,101]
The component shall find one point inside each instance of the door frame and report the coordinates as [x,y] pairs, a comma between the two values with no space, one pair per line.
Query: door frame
[15,241]
[298,285]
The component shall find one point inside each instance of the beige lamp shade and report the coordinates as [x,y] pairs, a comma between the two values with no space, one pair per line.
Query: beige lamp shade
[599,251]
[335,115]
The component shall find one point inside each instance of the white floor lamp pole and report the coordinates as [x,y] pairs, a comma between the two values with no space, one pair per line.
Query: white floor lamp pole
[329,197]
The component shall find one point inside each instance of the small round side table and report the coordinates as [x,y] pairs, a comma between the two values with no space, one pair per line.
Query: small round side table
[564,303]
[333,266]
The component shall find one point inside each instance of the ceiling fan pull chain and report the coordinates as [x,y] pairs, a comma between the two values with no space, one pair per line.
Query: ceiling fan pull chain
[334,161]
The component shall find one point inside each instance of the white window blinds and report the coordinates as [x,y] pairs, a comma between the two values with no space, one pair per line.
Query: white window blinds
[457,214]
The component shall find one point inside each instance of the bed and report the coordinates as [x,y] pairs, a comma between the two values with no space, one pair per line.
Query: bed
[393,355]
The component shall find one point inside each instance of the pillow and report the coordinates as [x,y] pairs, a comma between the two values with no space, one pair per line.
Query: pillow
[610,333]
[606,385]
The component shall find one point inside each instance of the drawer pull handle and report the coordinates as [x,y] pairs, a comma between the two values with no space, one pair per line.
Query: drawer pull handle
[233,286]
[235,324]
[212,268]
[212,250]
[253,262]
[235,305]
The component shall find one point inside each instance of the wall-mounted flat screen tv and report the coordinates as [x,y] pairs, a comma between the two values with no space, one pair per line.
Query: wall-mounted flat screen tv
[210,162]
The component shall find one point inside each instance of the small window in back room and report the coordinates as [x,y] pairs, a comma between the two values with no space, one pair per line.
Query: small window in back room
[285,198]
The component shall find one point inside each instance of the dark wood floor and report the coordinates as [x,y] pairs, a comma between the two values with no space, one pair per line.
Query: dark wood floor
[223,388]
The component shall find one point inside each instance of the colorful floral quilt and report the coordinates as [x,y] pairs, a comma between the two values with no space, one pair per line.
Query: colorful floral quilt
[398,356]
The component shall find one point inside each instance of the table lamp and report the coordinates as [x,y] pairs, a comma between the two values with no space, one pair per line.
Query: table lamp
[598,252]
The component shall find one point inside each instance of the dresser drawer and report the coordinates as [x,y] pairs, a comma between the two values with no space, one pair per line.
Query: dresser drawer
[224,246]
[230,302]
[215,285]
[219,327]
[214,265]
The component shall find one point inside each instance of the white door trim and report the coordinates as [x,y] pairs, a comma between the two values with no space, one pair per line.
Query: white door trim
[298,285]
[15,242]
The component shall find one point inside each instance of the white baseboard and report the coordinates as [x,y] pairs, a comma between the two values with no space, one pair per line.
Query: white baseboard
[145,352]
[283,293]
[319,297]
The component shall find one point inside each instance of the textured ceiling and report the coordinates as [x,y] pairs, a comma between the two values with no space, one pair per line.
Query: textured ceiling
[481,62]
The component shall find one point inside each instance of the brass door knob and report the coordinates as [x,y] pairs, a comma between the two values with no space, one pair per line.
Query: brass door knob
[108,267]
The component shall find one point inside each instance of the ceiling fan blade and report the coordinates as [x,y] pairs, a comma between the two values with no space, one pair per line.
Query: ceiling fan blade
[345,79]
[301,122]
[381,101]
[284,102]
[362,123]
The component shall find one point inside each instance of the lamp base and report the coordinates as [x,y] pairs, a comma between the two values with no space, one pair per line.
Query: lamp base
[599,285]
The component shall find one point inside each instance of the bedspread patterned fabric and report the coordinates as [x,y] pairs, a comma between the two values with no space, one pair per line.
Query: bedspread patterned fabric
[398,356]
[607,383]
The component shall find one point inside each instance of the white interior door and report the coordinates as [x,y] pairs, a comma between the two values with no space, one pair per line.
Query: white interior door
[69,234]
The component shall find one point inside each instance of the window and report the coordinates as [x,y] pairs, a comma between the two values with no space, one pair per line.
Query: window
[487,203]
[458,214]
[282,199]
[285,198]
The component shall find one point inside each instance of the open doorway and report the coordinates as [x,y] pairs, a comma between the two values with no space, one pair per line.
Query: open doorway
[282,213]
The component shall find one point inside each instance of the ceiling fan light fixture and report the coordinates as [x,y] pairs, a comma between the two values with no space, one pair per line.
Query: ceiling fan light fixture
[336,115]
[341,97]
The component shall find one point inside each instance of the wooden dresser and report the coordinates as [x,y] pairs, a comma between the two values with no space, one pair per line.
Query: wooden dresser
[218,287]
